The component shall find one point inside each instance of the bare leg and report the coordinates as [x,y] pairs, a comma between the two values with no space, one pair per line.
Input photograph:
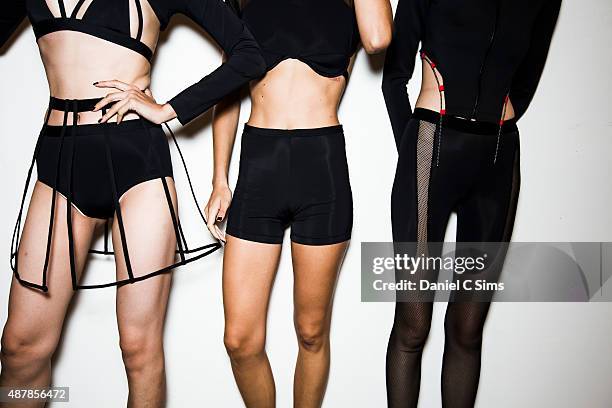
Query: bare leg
[316,271]
[249,269]
[141,307]
[35,319]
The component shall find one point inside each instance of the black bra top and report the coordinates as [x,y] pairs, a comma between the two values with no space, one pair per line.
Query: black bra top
[321,33]
[110,20]
[484,50]
[105,19]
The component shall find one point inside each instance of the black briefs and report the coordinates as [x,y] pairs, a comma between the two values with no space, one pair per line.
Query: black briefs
[139,151]
[93,166]
[296,178]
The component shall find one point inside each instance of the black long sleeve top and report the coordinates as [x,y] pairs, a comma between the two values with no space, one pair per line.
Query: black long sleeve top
[485,50]
[110,20]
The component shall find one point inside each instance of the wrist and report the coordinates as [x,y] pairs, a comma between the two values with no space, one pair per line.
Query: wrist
[168,112]
[220,182]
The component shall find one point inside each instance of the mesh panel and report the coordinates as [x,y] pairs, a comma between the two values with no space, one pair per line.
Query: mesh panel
[427,132]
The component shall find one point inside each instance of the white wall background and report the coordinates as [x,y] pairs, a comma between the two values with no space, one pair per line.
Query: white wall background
[535,355]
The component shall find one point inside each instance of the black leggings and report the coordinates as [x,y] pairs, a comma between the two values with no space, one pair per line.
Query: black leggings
[471,168]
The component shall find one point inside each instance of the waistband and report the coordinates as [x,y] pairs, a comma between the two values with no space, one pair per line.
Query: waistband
[323,131]
[69,105]
[134,125]
[465,125]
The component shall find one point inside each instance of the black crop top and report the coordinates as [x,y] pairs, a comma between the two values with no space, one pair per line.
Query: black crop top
[321,33]
[110,20]
[484,50]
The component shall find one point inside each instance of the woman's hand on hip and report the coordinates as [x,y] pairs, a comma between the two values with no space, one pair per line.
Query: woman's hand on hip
[216,209]
[129,98]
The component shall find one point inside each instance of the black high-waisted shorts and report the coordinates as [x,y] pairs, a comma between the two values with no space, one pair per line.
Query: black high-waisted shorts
[297,178]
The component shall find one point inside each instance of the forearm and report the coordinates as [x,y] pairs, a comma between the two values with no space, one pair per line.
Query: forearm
[375,21]
[397,103]
[225,125]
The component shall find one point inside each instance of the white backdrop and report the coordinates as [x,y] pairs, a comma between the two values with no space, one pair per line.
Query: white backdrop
[535,355]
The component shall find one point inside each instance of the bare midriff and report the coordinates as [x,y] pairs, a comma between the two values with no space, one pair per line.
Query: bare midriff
[429,97]
[73,61]
[293,96]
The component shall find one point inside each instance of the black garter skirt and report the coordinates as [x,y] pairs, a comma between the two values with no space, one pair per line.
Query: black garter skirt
[93,166]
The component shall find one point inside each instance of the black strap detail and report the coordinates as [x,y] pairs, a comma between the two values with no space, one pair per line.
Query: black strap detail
[62,8]
[54,198]
[79,106]
[84,105]
[209,249]
[180,240]
[465,125]
[111,169]
[106,230]
[69,196]
[193,194]
[76,9]
[17,230]
[174,219]
[140,19]
[180,227]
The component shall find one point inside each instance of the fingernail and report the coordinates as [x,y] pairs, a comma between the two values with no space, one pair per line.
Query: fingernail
[96,83]
[100,120]
[219,218]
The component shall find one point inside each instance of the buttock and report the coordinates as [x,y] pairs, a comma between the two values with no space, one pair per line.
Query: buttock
[86,160]
[292,178]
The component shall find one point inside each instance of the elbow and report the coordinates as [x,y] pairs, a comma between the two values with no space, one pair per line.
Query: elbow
[259,66]
[257,63]
[377,42]
[251,62]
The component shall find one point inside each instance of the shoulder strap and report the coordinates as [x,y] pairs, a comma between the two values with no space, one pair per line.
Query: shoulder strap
[62,8]
[76,8]
[140,19]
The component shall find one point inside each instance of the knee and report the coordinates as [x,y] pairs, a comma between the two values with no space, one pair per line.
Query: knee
[243,346]
[463,334]
[312,336]
[140,348]
[410,336]
[20,348]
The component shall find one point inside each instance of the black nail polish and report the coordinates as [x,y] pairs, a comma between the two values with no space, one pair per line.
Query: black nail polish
[99,120]
[95,83]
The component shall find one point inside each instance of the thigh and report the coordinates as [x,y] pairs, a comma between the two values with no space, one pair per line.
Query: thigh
[316,271]
[484,225]
[487,214]
[33,315]
[150,237]
[151,245]
[423,191]
[249,269]
[258,209]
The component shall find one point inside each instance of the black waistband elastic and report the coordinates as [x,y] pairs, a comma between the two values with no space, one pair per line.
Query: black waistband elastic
[67,105]
[134,125]
[465,125]
[323,131]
